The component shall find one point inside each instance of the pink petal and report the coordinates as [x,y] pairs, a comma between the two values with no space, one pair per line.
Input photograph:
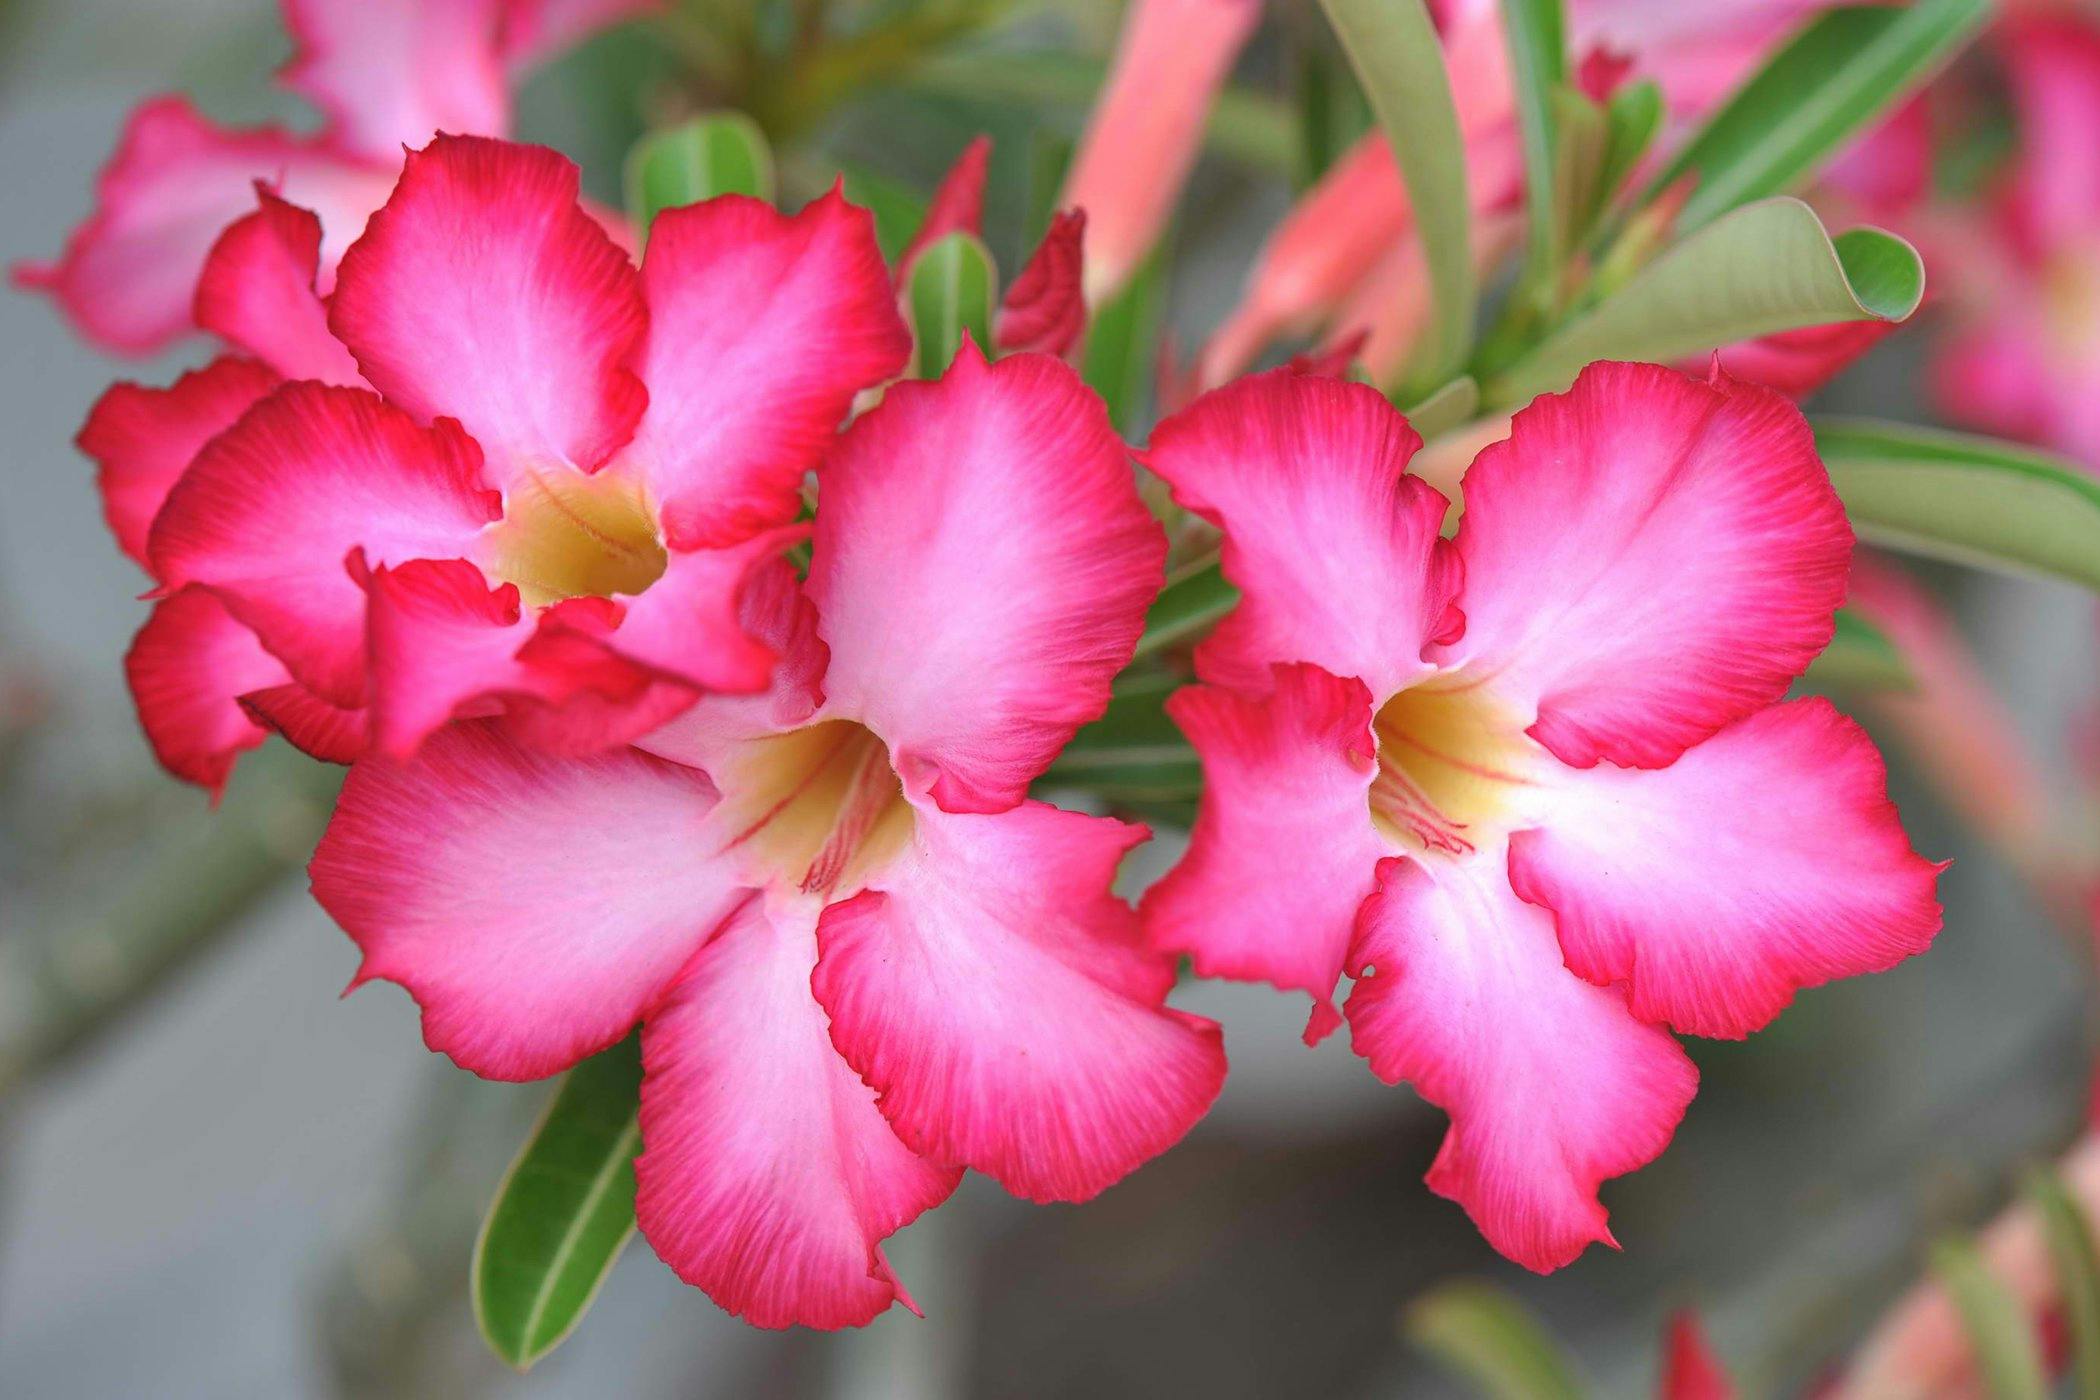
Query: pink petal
[1691,1371]
[1283,850]
[688,625]
[767,1176]
[534,907]
[997,997]
[143,439]
[534,30]
[482,292]
[2054,68]
[981,570]
[128,273]
[1334,551]
[257,293]
[1045,308]
[1648,558]
[309,723]
[957,205]
[762,330]
[392,73]
[1551,1085]
[1799,362]
[270,511]
[1766,859]
[440,640]
[187,668]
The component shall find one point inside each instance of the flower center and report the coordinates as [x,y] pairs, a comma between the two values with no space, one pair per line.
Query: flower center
[567,535]
[1452,767]
[819,806]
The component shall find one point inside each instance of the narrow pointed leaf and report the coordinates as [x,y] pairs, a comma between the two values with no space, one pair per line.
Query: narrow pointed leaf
[1971,500]
[1633,119]
[1766,267]
[1116,361]
[1488,1337]
[2070,1237]
[564,1211]
[1133,752]
[722,153]
[1860,658]
[953,290]
[1190,605]
[1535,31]
[1845,70]
[897,208]
[1440,412]
[2008,1355]
[1393,46]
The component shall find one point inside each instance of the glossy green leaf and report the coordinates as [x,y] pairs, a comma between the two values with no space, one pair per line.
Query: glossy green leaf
[2008,1355]
[1860,658]
[953,290]
[1972,500]
[564,1211]
[1394,48]
[1488,1337]
[1766,267]
[1117,360]
[721,153]
[2069,1234]
[1535,31]
[1845,70]
[1436,414]
[1195,597]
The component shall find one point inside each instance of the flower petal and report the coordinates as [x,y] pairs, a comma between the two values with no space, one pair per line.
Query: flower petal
[1799,362]
[1283,851]
[187,667]
[1551,1085]
[996,996]
[981,570]
[391,73]
[270,510]
[762,329]
[957,205]
[1764,860]
[534,907]
[257,293]
[1648,558]
[128,273]
[482,292]
[143,439]
[767,1177]
[1045,308]
[308,723]
[1334,551]
[688,624]
[1691,1371]
[535,29]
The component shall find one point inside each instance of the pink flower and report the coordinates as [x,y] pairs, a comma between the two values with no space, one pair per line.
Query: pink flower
[1533,788]
[549,507]
[385,74]
[1691,1371]
[862,959]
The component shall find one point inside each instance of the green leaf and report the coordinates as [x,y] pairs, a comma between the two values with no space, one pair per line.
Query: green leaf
[1117,360]
[1535,31]
[1436,414]
[1860,658]
[1972,500]
[1488,1337]
[722,153]
[1192,602]
[1633,119]
[2007,1353]
[564,1211]
[898,209]
[2070,1238]
[1842,72]
[1394,49]
[1133,752]
[1763,268]
[953,289]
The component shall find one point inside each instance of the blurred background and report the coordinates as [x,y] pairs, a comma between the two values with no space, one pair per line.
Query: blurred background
[219,1180]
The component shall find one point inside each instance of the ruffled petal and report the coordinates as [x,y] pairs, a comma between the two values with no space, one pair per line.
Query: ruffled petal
[481,292]
[143,439]
[1045,308]
[308,723]
[767,1177]
[762,329]
[188,666]
[534,907]
[392,73]
[129,272]
[1334,551]
[1283,851]
[688,625]
[257,293]
[269,512]
[997,997]
[1799,362]
[1551,1084]
[981,570]
[1767,859]
[1648,558]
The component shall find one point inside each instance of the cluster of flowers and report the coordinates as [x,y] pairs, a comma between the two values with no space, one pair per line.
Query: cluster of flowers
[521,531]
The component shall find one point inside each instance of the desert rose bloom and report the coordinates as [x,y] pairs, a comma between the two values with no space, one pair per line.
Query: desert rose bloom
[385,74]
[1534,788]
[610,452]
[862,958]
